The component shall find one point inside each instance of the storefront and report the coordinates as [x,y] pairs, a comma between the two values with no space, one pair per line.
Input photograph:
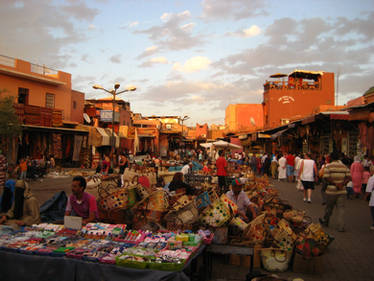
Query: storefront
[68,146]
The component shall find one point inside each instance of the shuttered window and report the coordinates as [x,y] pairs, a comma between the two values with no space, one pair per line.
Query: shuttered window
[49,100]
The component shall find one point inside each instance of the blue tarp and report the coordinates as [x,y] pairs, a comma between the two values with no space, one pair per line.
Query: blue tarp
[54,208]
[195,167]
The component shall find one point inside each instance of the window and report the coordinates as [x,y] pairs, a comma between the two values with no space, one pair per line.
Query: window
[285,121]
[23,95]
[49,100]
[74,104]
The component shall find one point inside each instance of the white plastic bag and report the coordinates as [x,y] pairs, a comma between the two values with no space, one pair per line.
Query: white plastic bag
[299,185]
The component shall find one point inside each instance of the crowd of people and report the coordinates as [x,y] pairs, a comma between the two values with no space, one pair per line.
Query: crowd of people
[339,177]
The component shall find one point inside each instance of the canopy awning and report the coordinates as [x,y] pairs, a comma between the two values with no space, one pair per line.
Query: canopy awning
[105,139]
[279,133]
[116,137]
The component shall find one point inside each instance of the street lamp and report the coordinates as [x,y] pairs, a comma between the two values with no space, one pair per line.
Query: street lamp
[184,119]
[113,92]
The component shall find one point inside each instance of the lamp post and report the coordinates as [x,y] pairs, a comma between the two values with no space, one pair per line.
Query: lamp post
[113,92]
[184,119]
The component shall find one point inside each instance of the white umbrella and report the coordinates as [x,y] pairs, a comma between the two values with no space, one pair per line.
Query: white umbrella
[206,145]
[225,144]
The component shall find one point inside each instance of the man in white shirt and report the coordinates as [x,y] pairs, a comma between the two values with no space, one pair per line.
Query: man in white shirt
[246,209]
[187,168]
[369,192]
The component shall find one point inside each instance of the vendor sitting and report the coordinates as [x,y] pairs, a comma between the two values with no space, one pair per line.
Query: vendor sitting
[25,208]
[179,186]
[80,203]
[246,209]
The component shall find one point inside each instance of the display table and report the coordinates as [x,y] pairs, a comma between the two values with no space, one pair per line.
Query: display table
[225,250]
[16,266]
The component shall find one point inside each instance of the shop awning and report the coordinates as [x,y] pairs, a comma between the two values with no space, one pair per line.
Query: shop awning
[279,133]
[116,137]
[105,139]
[53,129]
[337,115]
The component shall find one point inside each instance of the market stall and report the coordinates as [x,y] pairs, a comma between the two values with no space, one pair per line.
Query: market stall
[50,252]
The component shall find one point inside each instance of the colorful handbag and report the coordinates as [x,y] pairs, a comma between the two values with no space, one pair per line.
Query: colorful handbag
[216,215]
[158,201]
[203,200]
[115,200]
[229,204]
[255,231]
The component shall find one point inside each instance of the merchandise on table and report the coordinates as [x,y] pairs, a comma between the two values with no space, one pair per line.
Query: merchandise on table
[145,250]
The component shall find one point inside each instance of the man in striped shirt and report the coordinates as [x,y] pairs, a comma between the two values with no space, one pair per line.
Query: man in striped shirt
[337,176]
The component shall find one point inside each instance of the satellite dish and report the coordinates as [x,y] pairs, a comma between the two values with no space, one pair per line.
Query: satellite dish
[86,118]
[253,122]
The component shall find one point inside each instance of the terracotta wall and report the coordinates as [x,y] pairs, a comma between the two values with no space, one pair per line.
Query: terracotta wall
[297,103]
[20,76]
[244,117]
[77,106]
[201,131]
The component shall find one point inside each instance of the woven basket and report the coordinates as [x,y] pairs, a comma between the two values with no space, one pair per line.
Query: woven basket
[185,215]
[229,204]
[216,215]
[275,260]
[115,200]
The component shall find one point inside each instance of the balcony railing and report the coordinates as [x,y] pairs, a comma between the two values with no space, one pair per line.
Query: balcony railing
[7,61]
[35,68]
[281,85]
[43,70]
[38,116]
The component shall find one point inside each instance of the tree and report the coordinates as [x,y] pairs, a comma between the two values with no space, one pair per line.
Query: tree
[10,125]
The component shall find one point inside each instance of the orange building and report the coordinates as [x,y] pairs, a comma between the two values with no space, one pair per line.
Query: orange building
[296,95]
[201,132]
[41,86]
[243,117]
[44,102]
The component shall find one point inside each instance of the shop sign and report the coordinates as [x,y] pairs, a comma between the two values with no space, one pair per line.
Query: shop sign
[106,116]
[264,136]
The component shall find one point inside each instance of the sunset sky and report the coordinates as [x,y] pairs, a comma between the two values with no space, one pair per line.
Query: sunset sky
[192,57]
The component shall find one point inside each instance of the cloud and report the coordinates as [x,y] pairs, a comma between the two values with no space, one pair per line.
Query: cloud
[312,43]
[193,64]
[115,58]
[188,27]
[252,31]
[148,52]
[133,24]
[173,33]
[199,99]
[233,9]
[37,41]
[153,61]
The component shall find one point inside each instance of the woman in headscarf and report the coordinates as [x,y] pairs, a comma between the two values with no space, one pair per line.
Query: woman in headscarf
[356,172]
[179,186]
[274,167]
[25,209]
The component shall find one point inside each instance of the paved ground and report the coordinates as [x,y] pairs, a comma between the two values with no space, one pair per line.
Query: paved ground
[350,256]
